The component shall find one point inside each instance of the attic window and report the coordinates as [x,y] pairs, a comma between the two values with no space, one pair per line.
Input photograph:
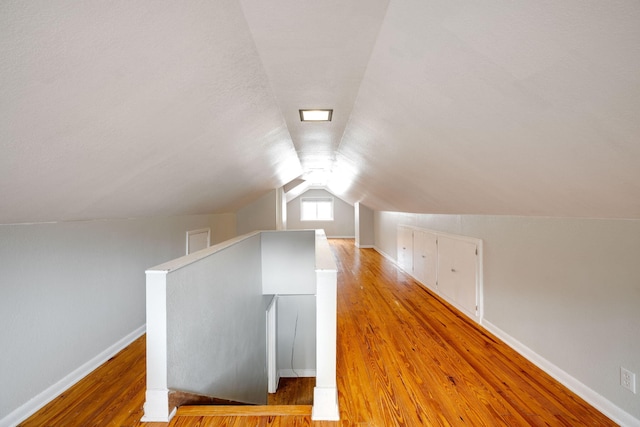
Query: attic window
[316,209]
[316,115]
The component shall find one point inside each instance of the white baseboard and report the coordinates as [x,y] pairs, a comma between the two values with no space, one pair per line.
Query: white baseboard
[384,254]
[297,373]
[37,402]
[365,246]
[156,408]
[325,404]
[599,402]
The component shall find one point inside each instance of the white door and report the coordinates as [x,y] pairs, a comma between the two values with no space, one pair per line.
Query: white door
[425,258]
[405,249]
[198,239]
[458,273]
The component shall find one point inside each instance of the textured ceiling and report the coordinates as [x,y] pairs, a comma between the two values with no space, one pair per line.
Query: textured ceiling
[525,108]
[145,108]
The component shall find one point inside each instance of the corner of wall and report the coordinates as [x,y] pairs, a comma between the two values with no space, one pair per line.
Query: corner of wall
[260,214]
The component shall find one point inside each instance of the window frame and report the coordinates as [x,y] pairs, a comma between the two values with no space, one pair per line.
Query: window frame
[316,200]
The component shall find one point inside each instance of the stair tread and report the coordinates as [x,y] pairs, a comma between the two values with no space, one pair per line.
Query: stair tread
[238,411]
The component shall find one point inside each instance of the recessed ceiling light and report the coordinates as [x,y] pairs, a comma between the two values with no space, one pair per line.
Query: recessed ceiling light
[316,115]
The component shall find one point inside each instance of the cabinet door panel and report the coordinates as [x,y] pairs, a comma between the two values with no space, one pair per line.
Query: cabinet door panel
[405,249]
[457,279]
[425,258]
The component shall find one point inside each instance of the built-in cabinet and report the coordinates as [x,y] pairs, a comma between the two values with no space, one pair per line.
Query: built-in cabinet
[405,248]
[449,265]
[425,257]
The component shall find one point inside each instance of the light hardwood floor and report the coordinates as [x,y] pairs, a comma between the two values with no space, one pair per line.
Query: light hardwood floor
[404,358]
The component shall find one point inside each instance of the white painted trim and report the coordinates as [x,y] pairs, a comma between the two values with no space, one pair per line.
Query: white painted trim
[156,406]
[316,199]
[325,404]
[199,231]
[324,256]
[341,237]
[364,246]
[326,328]
[479,314]
[386,255]
[480,276]
[273,376]
[46,396]
[325,394]
[599,402]
[296,373]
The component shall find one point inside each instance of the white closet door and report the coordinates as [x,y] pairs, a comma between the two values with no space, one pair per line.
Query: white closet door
[198,239]
[425,258]
[458,269]
[405,249]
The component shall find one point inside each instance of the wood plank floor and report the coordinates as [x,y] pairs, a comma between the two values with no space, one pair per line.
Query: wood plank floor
[404,358]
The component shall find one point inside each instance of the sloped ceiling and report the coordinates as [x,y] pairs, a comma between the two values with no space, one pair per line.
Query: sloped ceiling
[121,109]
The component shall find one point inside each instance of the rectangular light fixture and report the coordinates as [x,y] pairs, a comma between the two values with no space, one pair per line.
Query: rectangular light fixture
[316,115]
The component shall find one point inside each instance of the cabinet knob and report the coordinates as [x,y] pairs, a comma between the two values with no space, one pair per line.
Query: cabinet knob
[453,270]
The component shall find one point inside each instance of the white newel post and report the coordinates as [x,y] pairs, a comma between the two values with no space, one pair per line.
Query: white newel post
[156,406]
[325,394]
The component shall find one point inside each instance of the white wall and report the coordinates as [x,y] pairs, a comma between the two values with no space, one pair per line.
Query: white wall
[296,335]
[216,325]
[568,289]
[364,226]
[288,269]
[207,324]
[70,291]
[343,224]
[223,227]
[281,211]
[261,214]
[288,262]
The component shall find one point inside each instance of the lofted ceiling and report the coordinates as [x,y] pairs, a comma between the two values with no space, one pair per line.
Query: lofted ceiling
[128,109]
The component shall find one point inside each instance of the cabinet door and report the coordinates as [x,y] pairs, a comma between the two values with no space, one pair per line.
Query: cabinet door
[425,258]
[405,249]
[457,273]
